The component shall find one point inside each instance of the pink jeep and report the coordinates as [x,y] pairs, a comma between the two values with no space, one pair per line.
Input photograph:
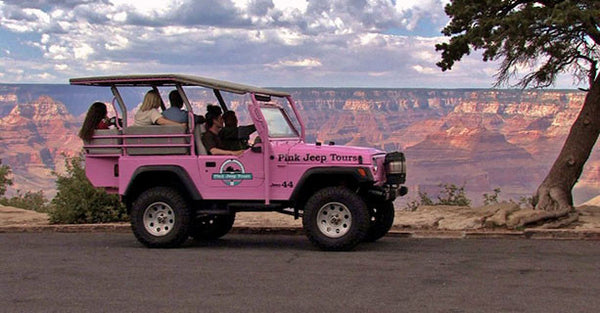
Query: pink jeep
[174,190]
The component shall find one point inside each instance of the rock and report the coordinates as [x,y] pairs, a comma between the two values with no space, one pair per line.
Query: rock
[562,222]
[443,217]
[525,217]
[593,202]
[501,211]
[461,224]
[589,217]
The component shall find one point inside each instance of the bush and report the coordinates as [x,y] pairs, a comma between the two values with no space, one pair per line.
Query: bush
[491,198]
[453,195]
[424,199]
[35,201]
[449,195]
[4,180]
[77,201]
[412,205]
[527,202]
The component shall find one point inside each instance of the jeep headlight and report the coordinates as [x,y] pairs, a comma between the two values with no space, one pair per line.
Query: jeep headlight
[395,168]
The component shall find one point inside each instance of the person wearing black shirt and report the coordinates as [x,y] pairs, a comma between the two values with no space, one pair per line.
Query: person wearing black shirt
[211,140]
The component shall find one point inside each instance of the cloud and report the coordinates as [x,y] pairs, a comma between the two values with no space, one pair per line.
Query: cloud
[82,51]
[264,42]
[424,69]
[310,63]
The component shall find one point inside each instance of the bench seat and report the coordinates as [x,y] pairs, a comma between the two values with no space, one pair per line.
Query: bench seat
[156,135]
[94,146]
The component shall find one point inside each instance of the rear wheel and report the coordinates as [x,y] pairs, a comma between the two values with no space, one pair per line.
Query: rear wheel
[210,227]
[382,219]
[160,218]
[336,219]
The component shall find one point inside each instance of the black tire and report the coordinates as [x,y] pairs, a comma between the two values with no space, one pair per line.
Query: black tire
[211,227]
[335,219]
[382,219]
[160,218]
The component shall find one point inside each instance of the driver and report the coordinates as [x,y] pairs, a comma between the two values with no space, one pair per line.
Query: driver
[210,139]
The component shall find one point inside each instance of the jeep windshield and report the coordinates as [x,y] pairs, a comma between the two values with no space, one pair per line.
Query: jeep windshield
[278,122]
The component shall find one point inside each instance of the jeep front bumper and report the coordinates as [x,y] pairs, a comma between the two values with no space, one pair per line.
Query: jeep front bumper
[394,167]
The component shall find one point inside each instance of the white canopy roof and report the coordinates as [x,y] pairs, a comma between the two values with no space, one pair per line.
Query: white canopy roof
[172,80]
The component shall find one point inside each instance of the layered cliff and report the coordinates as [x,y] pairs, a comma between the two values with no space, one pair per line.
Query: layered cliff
[481,138]
[36,136]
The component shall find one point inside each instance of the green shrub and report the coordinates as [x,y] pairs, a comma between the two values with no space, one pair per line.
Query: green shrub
[424,199]
[35,201]
[527,202]
[449,195]
[4,180]
[453,195]
[491,198]
[77,201]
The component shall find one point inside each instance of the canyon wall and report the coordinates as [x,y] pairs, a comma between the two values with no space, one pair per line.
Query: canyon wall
[483,139]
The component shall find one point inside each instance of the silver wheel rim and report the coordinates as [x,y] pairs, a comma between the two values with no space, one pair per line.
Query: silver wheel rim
[334,219]
[159,219]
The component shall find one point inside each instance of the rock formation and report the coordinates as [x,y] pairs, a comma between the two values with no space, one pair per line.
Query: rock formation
[481,138]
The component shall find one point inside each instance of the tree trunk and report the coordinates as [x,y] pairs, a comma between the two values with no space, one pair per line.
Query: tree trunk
[554,194]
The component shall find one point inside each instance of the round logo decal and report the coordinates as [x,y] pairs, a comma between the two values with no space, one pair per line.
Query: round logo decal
[232,173]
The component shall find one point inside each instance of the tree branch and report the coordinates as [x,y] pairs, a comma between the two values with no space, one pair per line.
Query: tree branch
[593,29]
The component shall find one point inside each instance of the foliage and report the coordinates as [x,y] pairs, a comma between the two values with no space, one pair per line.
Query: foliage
[491,198]
[77,201]
[546,37]
[35,201]
[5,181]
[412,206]
[424,199]
[449,195]
[527,202]
[453,195]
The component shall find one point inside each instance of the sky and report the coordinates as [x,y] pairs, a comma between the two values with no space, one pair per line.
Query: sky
[270,43]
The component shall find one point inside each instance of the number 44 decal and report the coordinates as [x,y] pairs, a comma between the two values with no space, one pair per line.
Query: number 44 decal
[288,184]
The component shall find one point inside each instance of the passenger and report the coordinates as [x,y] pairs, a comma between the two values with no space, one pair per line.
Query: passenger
[232,136]
[96,118]
[175,113]
[214,109]
[210,139]
[148,113]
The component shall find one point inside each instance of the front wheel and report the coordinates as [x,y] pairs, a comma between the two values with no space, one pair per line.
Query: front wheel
[160,218]
[335,219]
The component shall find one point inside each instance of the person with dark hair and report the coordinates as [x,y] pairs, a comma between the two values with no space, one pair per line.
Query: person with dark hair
[210,139]
[215,109]
[175,112]
[96,118]
[234,137]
